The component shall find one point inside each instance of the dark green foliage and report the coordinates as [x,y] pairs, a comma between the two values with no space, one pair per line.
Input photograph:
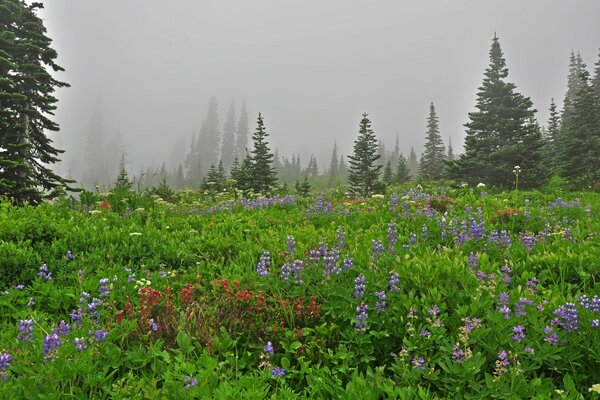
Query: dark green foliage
[214,181]
[193,164]
[388,175]
[402,172]
[579,139]
[303,189]
[333,166]
[501,134]
[450,154]
[432,161]
[27,104]
[413,163]
[574,83]
[363,175]
[596,78]
[552,132]
[263,175]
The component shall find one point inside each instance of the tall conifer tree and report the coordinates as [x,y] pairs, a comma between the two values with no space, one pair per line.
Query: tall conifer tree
[241,133]
[27,104]
[228,147]
[432,160]
[264,176]
[363,174]
[501,134]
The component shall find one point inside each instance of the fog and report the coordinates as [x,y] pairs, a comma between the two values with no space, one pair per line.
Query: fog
[142,73]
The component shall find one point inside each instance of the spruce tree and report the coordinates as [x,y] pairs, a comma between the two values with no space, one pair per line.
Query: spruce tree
[579,139]
[450,154]
[432,161]
[402,171]
[193,164]
[552,137]
[27,105]
[388,176]
[312,169]
[573,81]
[333,165]
[228,147]
[413,163]
[241,133]
[501,134]
[209,138]
[363,174]
[264,176]
[596,78]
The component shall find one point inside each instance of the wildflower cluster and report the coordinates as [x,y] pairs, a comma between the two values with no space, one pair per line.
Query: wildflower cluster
[44,273]
[262,268]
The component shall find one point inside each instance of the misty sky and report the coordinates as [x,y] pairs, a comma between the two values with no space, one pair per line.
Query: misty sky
[311,67]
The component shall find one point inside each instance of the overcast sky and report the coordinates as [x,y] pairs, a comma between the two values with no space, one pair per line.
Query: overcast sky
[311,67]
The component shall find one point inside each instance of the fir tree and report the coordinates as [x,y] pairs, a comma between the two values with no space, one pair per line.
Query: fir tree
[263,174]
[27,104]
[228,147]
[450,154]
[396,152]
[193,164]
[388,176]
[413,163]
[573,81]
[402,171]
[596,78]
[333,166]
[179,178]
[241,133]
[312,169]
[303,189]
[501,134]
[210,136]
[432,160]
[122,182]
[363,175]
[552,136]
[214,181]
[342,168]
[579,139]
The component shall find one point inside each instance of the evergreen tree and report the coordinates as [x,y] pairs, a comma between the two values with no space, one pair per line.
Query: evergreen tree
[395,153]
[342,168]
[241,133]
[210,136]
[179,178]
[579,139]
[388,176]
[228,147]
[263,174]
[402,171]
[312,169]
[193,164]
[574,83]
[596,78]
[26,105]
[413,163]
[363,175]
[303,189]
[552,134]
[381,150]
[214,181]
[333,166]
[122,182]
[450,155]
[432,160]
[501,134]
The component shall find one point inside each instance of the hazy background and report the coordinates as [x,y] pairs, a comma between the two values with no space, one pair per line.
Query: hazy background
[144,71]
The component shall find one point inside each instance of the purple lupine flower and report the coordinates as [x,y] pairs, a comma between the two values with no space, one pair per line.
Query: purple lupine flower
[25,330]
[348,263]
[435,310]
[551,336]
[472,261]
[77,315]
[79,344]
[262,268]
[394,281]
[529,350]
[44,273]
[458,354]
[528,241]
[62,329]
[30,302]
[131,278]
[92,309]
[361,318]
[503,301]
[104,287]
[285,273]
[503,357]
[425,233]
[392,235]
[298,271]
[418,363]
[471,324]
[290,245]
[101,335]
[380,304]
[153,325]
[5,360]
[51,345]
[340,239]
[190,382]
[592,305]
[568,318]
[69,256]
[520,306]
[277,372]
[376,249]
[359,287]
[268,349]
[505,271]
[595,324]
[532,284]
[519,333]
[412,238]
[425,333]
